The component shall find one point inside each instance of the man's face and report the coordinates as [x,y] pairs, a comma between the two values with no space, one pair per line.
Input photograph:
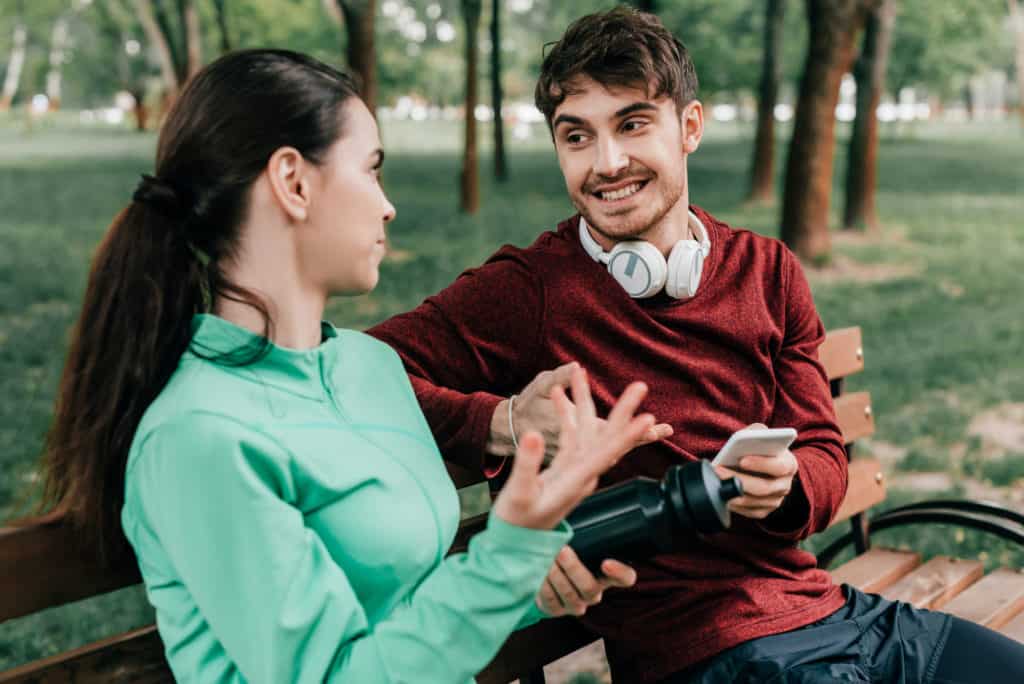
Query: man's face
[623,156]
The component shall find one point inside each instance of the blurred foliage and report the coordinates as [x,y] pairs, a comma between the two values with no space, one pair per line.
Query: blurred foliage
[937,43]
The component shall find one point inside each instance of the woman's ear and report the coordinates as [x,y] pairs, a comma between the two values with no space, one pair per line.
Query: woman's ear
[288,174]
[692,123]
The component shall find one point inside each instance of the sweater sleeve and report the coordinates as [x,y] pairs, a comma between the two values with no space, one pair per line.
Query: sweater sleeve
[219,499]
[467,348]
[803,401]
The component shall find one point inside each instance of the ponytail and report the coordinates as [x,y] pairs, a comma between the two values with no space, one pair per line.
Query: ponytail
[143,289]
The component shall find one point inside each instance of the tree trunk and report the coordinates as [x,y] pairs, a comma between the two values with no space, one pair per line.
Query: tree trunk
[500,162]
[58,42]
[805,203]
[222,25]
[762,175]
[470,185]
[193,38]
[861,160]
[359,24]
[162,44]
[15,63]
[1017,23]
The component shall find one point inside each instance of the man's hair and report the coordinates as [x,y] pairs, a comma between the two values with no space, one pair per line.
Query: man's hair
[620,47]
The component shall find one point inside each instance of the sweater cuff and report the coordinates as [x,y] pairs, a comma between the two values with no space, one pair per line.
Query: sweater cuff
[480,415]
[526,538]
[792,518]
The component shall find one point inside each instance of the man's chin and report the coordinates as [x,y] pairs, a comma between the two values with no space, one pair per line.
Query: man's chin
[624,226]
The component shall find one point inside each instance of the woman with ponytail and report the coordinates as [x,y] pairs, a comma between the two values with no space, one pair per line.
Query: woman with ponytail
[273,475]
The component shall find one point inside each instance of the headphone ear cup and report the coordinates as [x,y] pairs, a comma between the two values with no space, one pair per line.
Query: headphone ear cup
[685,266]
[638,267]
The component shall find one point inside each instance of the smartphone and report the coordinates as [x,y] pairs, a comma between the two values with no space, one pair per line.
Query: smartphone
[761,441]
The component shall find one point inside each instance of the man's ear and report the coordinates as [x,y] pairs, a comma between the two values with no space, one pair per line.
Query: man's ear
[288,174]
[691,120]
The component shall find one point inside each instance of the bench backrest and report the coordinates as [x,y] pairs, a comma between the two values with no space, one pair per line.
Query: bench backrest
[42,566]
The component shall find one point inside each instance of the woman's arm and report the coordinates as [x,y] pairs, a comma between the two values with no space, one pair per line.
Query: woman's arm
[218,498]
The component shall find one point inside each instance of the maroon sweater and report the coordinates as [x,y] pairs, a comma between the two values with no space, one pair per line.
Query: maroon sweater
[744,350]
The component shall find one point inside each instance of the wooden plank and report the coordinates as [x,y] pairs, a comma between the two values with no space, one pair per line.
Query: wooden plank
[46,566]
[136,657]
[876,569]
[865,487]
[992,601]
[935,583]
[842,353]
[534,647]
[855,416]
[1014,628]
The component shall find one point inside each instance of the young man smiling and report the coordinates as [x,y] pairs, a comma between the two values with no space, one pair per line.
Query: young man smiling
[720,324]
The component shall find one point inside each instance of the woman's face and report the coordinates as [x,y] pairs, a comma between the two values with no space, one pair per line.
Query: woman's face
[344,239]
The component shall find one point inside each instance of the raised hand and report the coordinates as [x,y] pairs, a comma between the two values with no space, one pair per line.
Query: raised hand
[587,447]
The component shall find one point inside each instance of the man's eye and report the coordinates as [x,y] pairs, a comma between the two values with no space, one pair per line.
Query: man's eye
[633,125]
[574,138]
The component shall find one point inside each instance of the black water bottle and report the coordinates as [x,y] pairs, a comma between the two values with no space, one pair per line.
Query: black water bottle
[642,516]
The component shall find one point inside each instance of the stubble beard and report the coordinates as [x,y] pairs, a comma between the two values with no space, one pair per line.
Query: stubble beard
[639,221]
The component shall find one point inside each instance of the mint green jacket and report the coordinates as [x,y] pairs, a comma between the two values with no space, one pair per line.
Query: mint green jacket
[291,519]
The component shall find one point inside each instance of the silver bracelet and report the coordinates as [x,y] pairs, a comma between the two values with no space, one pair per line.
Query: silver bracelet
[511,427]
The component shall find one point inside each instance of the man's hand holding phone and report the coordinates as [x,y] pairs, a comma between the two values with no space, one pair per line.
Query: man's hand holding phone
[761,459]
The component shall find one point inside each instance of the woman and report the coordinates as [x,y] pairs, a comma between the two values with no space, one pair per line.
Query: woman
[275,477]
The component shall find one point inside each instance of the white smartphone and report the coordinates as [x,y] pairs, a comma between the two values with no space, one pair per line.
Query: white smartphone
[761,441]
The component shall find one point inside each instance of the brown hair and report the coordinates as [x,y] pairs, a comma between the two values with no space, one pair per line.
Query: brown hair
[620,47]
[160,264]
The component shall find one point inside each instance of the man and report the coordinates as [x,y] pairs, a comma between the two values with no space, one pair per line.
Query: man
[719,323]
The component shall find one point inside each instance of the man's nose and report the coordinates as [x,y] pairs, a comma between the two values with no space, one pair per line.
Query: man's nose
[611,159]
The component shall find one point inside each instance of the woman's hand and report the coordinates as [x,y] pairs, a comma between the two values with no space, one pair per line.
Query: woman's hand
[570,587]
[588,446]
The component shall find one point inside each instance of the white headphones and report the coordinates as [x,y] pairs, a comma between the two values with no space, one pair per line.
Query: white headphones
[642,271]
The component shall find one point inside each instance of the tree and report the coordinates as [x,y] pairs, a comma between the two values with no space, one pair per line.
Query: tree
[359,18]
[58,45]
[469,196]
[500,163]
[832,26]
[220,8]
[762,186]
[117,27]
[17,59]
[1017,24]
[178,44]
[861,160]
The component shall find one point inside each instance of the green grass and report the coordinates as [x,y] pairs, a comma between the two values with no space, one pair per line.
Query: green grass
[942,337]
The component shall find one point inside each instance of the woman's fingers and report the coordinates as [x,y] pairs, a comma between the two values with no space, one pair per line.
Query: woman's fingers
[617,574]
[627,404]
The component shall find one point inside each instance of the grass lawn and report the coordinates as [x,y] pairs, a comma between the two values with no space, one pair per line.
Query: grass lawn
[938,294]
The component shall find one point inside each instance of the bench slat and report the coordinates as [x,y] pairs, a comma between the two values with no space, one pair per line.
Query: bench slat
[992,601]
[842,353]
[855,416]
[936,582]
[136,657]
[534,647]
[865,487]
[876,569]
[45,562]
[1014,628]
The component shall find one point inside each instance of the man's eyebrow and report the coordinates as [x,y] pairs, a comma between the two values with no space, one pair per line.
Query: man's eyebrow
[635,107]
[567,118]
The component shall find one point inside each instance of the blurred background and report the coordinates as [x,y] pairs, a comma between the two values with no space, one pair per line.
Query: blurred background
[882,140]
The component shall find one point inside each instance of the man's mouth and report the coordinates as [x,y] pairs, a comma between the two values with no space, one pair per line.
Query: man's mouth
[622,193]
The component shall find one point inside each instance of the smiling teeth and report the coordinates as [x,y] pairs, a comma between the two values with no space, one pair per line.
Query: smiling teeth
[619,194]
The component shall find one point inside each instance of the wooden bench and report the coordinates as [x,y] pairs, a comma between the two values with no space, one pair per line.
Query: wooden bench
[40,570]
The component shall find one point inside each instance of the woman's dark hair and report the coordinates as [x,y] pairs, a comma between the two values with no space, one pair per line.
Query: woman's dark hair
[160,263]
[620,47]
